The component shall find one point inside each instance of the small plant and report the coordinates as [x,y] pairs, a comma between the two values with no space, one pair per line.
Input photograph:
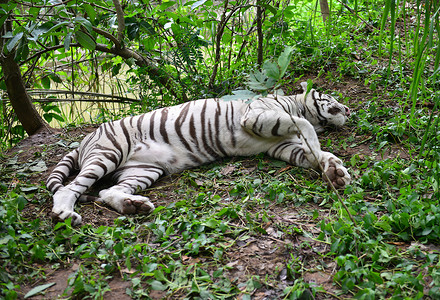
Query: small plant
[272,74]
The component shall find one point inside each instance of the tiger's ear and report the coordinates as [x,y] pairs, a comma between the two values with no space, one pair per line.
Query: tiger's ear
[304,86]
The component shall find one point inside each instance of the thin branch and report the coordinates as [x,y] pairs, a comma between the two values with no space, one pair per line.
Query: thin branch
[108,35]
[88,94]
[125,53]
[45,50]
[42,6]
[372,28]
[121,21]
[153,71]
[220,29]
[324,174]
[259,19]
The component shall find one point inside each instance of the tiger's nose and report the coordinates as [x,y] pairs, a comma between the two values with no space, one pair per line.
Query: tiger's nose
[347,111]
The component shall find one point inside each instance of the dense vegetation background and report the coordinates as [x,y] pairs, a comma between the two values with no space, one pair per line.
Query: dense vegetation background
[67,63]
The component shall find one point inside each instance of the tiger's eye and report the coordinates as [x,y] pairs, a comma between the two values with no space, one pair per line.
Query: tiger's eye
[334,110]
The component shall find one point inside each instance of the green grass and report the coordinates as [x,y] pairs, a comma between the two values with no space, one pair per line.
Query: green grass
[281,218]
[189,247]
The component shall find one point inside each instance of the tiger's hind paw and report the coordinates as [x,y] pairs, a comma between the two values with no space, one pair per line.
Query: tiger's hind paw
[336,173]
[137,205]
[126,204]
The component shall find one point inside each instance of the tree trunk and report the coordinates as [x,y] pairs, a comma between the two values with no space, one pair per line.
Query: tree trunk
[26,113]
[325,11]
[260,35]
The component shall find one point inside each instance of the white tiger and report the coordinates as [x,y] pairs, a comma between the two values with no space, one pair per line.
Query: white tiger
[138,150]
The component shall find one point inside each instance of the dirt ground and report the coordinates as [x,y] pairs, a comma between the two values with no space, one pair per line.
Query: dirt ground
[260,256]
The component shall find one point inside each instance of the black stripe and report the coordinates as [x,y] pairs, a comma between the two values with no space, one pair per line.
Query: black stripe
[254,127]
[178,125]
[206,132]
[294,155]
[139,125]
[101,165]
[217,129]
[229,117]
[152,125]
[126,135]
[109,153]
[315,103]
[275,128]
[163,123]
[116,145]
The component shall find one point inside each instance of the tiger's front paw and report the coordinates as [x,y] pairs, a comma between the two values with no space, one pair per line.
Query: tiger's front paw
[63,205]
[334,171]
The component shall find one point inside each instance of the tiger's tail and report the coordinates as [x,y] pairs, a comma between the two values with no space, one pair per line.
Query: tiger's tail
[62,170]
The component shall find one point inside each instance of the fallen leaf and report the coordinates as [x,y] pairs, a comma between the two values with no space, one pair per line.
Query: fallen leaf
[38,289]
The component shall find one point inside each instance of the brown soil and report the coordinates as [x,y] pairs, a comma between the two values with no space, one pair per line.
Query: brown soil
[266,255]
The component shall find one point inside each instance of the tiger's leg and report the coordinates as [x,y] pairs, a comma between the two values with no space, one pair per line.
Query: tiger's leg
[297,152]
[130,178]
[65,197]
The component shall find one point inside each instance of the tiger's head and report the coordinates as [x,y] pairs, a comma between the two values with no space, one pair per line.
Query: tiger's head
[323,110]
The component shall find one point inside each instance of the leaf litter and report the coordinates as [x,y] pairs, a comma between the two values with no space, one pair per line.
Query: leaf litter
[267,247]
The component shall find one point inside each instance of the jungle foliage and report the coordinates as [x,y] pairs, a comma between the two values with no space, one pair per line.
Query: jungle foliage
[378,238]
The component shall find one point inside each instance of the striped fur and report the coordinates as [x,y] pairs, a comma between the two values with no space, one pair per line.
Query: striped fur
[138,150]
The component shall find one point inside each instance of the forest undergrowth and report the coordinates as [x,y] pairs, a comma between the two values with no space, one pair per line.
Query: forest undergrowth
[256,228]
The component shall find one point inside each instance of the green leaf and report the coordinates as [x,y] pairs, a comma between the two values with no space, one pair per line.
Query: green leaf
[38,252]
[55,78]
[118,248]
[257,81]
[58,117]
[84,22]
[158,274]
[270,83]
[21,202]
[197,4]
[67,41]
[22,50]
[132,28]
[284,60]
[157,285]
[45,81]
[375,277]
[165,5]
[14,42]
[272,9]
[272,70]
[426,231]
[29,189]
[147,26]
[3,19]
[116,68]
[59,225]
[39,167]
[38,289]
[6,239]
[240,95]
[90,11]
[85,40]
[309,85]
[211,223]
[42,29]
[58,25]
